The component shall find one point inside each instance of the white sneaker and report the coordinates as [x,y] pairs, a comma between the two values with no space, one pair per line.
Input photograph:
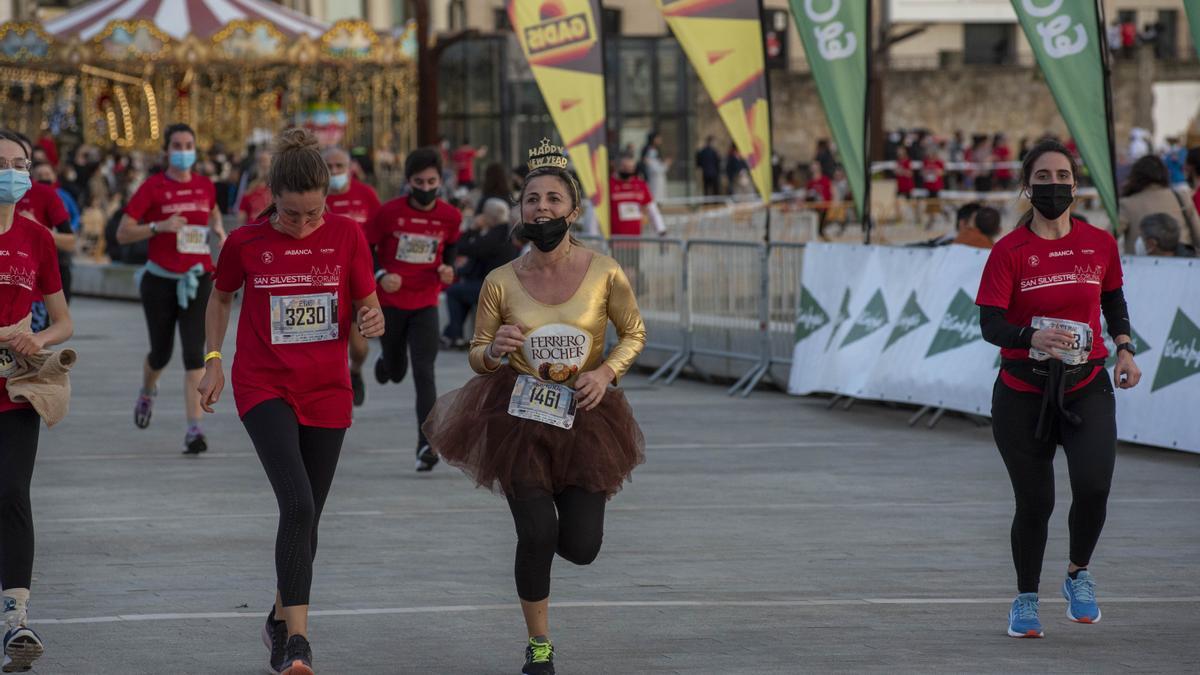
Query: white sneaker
[22,646]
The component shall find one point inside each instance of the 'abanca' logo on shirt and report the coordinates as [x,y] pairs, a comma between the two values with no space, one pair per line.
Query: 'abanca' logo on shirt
[557,351]
[873,317]
[811,316]
[1181,354]
[959,325]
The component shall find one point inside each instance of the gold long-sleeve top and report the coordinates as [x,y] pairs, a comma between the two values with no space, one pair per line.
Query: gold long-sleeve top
[564,340]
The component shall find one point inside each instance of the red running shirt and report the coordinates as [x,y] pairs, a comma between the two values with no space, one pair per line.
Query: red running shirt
[255,202]
[464,160]
[411,243]
[287,347]
[820,190]
[28,271]
[904,183]
[934,174]
[628,201]
[158,199]
[42,205]
[1028,276]
[358,203]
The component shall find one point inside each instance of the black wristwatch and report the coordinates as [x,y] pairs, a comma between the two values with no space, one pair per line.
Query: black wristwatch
[1127,347]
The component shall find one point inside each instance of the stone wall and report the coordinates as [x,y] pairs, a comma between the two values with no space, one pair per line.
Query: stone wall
[981,99]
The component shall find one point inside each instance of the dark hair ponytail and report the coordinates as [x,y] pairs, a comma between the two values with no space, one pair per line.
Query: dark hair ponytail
[297,165]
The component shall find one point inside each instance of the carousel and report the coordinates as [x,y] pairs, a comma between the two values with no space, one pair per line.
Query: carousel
[117,72]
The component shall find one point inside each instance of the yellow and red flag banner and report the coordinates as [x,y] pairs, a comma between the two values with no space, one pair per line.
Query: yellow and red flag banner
[723,41]
[561,40]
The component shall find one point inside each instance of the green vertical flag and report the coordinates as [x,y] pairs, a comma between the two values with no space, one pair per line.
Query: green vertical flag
[1193,11]
[836,39]
[1070,51]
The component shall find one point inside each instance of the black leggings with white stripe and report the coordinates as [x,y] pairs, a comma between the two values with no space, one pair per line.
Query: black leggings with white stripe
[300,462]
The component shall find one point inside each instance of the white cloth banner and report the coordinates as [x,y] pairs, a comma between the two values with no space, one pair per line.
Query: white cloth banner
[900,324]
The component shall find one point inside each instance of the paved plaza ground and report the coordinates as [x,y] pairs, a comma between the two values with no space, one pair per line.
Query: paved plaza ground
[765,535]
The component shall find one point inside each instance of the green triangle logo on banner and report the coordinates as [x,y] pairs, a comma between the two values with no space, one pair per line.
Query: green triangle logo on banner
[1139,345]
[842,317]
[811,317]
[873,317]
[1180,355]
[911,318]
[959,325]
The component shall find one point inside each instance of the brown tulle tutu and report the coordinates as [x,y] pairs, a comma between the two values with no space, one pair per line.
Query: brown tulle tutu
[471,429]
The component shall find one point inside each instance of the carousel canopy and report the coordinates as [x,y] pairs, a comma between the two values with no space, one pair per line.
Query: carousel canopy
[180,18]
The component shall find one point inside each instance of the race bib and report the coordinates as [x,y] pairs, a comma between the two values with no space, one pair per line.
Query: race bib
[544,402]
[192,239]
[417,249]
[628,211]
[297,319]
[1081,346]
[8,363]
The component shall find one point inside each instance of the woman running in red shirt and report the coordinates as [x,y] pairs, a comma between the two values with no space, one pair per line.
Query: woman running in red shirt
[176,210]
[31,269]
[1043,290]
[305,275]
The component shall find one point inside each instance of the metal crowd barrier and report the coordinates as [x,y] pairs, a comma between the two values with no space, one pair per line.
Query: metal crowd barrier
[718,307]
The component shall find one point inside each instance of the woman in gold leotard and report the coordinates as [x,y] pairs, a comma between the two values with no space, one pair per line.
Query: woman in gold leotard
[547,429]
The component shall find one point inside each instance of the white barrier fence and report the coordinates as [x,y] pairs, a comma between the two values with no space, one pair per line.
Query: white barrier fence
[900,324]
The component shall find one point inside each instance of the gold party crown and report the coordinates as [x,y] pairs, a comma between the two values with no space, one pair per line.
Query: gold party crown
[546,154]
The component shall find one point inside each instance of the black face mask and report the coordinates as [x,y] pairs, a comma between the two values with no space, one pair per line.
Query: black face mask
[1051,199]
[625,175]
[423,197]
[546,236]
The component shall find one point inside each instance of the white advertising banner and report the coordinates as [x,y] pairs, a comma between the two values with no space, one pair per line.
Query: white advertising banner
[951,11]
[900,324]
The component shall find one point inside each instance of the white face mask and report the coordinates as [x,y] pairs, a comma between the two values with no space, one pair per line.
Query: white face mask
[1139,247]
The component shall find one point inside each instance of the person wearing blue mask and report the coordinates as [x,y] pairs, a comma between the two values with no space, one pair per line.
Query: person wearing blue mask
[31,263]
[177,211]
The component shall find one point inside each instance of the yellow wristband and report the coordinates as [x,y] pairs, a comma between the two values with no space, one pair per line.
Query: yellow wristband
[212,355]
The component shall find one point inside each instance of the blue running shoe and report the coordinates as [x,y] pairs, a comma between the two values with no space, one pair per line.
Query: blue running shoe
[1023,617]
[1080,593]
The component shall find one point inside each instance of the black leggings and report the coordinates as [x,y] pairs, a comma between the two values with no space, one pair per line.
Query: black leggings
[415,332]
[18,449]
[300,462]
[1091,450]
[161,305]
[570,523]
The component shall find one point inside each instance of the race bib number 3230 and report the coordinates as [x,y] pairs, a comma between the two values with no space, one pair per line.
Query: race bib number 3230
[298,319]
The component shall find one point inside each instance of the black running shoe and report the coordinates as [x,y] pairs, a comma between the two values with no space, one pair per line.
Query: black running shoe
[275,637]
[194,445]
[381,373]
[426,459]
[297,658]
[360,390]
[539,657]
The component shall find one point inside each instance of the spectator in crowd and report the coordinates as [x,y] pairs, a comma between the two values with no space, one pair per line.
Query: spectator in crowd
[1160,237]
[1129,35]
[654,165]
[464,163]
[737,171]
[825,157]
[981,157]
[708,161]
[962,218]
[1175,157]
[819,192]
[905,181]
[1191,169]
[496,184]
[1024,150]
[981,230]
[485,246]
[1001,153]
[1148,191]
[1139,143]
